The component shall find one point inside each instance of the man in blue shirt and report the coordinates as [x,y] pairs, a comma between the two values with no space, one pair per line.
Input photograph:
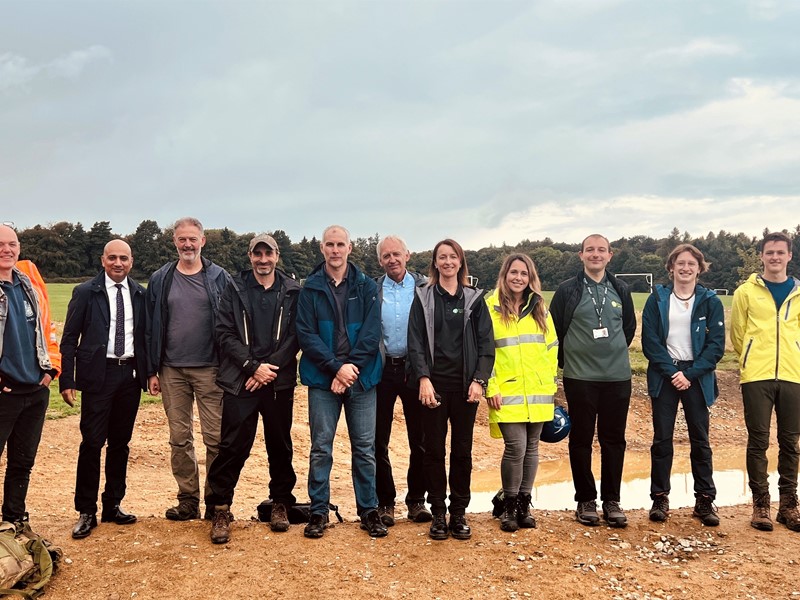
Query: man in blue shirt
[396,293]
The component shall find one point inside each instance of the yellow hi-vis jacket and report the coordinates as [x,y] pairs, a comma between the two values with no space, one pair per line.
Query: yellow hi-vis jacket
[766,338]
[525,365]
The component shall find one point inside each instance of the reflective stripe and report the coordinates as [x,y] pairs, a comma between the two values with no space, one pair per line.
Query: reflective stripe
[530,338]
[540,399]
[555,343]
[525,338]
[511,400]
[532,399]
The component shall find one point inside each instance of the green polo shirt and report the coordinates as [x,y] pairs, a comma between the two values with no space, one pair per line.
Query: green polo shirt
[591,358]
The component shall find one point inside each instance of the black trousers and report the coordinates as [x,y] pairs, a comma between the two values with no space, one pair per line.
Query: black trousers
[461,415]
[392,385]
[600,405]
[239,424]
[106,416]
[21,423]
[665,409]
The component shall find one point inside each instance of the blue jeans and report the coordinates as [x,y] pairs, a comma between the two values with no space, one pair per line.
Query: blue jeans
[324,409]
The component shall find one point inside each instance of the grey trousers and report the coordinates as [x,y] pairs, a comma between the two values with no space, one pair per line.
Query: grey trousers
[520,457]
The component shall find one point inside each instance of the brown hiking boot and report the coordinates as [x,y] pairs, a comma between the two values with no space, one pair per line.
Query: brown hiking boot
[761,519]
[788,513]
[221,525]
[279,519]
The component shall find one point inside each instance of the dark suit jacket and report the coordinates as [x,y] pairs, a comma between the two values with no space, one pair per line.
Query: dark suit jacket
[85,339]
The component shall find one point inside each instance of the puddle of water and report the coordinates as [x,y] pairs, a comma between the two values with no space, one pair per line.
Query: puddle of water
[554,489]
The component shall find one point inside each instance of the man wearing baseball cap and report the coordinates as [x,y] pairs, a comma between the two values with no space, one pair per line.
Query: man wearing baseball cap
[258,372]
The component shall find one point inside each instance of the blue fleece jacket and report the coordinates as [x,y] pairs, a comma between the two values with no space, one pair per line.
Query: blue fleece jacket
[316,329]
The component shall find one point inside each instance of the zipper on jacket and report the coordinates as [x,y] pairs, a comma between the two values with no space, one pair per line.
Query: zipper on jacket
[747,353]
[278,333]
[777,342]
[246,333]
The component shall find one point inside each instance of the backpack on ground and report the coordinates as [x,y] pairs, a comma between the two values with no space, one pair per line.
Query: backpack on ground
[27,561]
[298,513]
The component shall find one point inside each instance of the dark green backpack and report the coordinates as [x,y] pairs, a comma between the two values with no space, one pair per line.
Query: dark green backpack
[27,561]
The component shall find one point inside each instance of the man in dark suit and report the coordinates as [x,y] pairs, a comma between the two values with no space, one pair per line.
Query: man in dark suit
[103,355]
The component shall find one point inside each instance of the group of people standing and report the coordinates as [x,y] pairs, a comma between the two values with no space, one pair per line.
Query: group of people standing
[230,345]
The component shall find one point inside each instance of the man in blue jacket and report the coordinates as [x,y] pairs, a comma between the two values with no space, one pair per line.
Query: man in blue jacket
[339,330]
[683,338]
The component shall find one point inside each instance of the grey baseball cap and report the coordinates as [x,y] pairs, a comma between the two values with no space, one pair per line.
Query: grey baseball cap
[263,238]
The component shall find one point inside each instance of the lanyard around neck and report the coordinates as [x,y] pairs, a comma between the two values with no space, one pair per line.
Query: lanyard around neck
[597,309]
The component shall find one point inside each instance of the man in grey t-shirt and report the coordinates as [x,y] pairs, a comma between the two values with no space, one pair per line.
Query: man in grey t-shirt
[182,302]
[595,321]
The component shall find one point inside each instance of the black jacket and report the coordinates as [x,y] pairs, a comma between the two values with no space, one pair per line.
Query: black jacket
[215,279]
[478,337]
[232,331]
[84,343]
[568,296]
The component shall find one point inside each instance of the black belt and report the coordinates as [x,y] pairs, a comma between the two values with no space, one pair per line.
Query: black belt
[682,363]
[395,360]
[118,362]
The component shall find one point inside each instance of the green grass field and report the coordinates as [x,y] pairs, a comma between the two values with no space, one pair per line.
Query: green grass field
[60,294]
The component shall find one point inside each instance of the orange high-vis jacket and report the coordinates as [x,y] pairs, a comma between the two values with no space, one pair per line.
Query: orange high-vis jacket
[48,328]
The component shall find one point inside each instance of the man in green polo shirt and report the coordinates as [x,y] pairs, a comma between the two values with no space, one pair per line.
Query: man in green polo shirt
[595,321]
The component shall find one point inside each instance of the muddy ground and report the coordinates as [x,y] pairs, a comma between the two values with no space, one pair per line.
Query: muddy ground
[157,558]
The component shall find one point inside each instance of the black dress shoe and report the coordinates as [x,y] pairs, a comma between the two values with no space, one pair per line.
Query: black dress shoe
[86,522]
[459,528]
[438,530]
[117,515]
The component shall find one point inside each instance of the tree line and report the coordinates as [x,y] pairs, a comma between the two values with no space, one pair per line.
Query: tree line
[68,252]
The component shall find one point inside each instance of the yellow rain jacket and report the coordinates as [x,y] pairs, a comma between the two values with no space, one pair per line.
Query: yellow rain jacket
[525,365]
[756,326]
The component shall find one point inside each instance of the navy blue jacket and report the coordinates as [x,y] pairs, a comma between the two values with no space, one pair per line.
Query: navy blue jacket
[84,343]
[708,341]
[316,329]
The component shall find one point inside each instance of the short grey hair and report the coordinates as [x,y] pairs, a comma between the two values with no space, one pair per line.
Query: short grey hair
[191,221]
[339,227]
[392,238]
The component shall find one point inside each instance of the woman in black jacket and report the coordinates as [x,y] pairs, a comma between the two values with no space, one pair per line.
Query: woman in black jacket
[451,355]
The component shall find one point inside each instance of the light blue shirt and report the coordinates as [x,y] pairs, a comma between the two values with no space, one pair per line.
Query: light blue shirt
[397,299]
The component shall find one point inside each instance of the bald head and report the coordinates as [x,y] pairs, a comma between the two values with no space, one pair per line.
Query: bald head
[9,251]
[117,260]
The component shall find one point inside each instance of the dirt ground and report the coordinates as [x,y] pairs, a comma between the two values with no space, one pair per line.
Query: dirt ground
[157,558]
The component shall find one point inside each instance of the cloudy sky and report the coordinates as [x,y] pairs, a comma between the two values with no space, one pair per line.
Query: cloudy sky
[488,122]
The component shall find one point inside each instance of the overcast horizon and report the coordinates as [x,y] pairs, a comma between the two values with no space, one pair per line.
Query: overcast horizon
[486,121]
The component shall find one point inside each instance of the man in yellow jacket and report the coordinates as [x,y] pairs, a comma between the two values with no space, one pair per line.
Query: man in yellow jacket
[765,332]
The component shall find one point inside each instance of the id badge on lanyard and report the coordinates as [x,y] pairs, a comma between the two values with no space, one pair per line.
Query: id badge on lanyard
[598,332]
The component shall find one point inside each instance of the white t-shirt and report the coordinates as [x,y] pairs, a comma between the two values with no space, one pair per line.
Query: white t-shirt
[679,338]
